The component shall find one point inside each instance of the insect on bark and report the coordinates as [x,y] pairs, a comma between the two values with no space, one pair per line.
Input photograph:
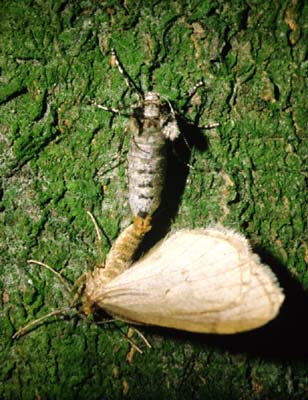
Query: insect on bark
[152,123]
[119,259]
[202,280]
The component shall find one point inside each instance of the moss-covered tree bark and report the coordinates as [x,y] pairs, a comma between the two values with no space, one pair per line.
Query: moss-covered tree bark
[57,160]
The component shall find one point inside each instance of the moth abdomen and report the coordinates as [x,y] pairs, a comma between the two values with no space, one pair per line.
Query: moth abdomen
[122,251]
[145,184]
[146,177]
[119,259]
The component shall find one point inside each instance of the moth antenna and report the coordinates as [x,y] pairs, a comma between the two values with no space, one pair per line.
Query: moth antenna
[58,275]
[128,80]
[99,238]
[23,330]
[109,321]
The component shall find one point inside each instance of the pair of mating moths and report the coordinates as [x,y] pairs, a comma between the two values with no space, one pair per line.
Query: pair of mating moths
[196,280]
[203,280]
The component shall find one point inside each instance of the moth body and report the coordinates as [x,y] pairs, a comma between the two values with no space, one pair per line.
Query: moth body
[151,125]
[196,280]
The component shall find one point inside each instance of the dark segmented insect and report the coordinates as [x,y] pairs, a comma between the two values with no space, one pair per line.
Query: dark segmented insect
[152,124]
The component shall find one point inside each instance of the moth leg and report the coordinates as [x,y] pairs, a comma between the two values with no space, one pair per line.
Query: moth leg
[128,338]
[109,109]
[131,352]
[118,154]
[132,343]
[210,125]
[147,343]
[194,89]
[190,95]
[130,355]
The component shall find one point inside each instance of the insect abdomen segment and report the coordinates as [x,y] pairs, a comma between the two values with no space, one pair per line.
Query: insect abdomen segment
[119,258]
[147,158]
[121,254]
[146,176]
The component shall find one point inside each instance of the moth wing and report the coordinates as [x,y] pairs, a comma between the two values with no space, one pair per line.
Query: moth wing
[198,280]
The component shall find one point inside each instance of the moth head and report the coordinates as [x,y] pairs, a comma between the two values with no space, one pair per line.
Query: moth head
[88,306]
[151,105]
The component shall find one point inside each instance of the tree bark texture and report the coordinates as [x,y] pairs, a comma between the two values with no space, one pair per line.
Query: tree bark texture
[59,158]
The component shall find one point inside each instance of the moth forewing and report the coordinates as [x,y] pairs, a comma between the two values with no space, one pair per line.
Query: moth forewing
[201,281]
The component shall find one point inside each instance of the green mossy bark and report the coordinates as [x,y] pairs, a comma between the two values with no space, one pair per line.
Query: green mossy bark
[56,149]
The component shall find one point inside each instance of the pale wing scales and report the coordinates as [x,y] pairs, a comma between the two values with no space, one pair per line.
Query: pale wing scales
[201,280]
[197,257]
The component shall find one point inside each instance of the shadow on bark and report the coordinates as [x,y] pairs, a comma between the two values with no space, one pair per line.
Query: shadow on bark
[284,338]
[178,157]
